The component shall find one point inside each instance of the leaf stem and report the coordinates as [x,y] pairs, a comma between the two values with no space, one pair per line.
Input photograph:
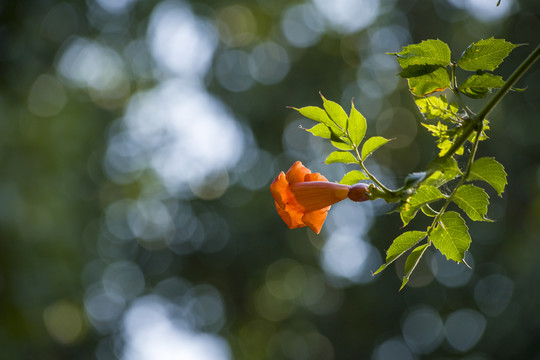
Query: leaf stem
[371,176]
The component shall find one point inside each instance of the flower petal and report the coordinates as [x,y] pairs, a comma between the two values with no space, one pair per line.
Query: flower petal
[291,216]
[315,219]
[315,177]
[297,173]
[315,195]
[280,190]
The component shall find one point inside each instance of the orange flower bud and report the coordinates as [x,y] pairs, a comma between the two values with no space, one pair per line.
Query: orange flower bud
[303,198]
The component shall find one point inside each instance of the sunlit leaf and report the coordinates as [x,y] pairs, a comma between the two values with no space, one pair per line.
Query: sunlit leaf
[428,52]
[412,261]
[319,115]
[485,54]
[451,236]
[436,80]
[479,86]
[342,144]
[372,144]
[353,177]
[335,112]
[341,157]
[473,200]
[443,170]
[490,171]
[357,126]
[424,195]
[400,245]
[437,106]
[320,130]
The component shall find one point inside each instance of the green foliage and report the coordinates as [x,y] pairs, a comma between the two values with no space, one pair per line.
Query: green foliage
[428,68]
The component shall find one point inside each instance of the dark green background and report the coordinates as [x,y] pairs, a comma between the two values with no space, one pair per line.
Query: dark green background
[76,266]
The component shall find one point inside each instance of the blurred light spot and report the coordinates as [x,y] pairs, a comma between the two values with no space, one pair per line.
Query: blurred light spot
[149,220]
[256,169]
[345,256]
[376,77]
[485,10]
[103,309]
[124,161]
[232,70]
[191,134]
[123,279]
[270,307]
[151,333]
[422,330]
[211,186]
[347,16]
[493,293]
[204,308]
[116,218]
[64,322]
[285,279]
[60,22]
[86,63]
[237,25]
[269,63]
[179,41]
[449,273]
[289,345]
[393,349]
[115,6]
[464,328]
[216,232]
[47,96]
[388,39]
[398,124]
[302,25]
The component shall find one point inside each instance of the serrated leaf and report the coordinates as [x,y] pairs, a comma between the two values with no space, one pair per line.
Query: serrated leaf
[437,106]
[320,130]
[451,236]
[443,170]
[428,52]
[479,86]
[436,80]
[428,211]
[473,200]
[491,171]
[424,195]
[401,245]
[341,157]
[317,114]
[353,177]
[372,144]
[335,112]
[412,261]
[485,54]
[357,126]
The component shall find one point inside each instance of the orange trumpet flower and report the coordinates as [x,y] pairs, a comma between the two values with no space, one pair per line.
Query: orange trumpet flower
[303,198]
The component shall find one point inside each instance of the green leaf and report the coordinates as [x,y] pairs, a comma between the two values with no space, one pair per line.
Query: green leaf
[451,236]
[479,86]
[491,171]
[400,245]
[412,261]
[473,200]
[319,115]
[372,144]
[357,126]
[424,195]
[342,157]
[320,130]
[342,144]
[444,170]
[437,106]
[353,177]
[485,54]
[428,52]
[335,112]
[436,80]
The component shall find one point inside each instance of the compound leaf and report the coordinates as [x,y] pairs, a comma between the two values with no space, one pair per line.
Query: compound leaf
[428,52]
[317,114]
[479,86]
[357,126]
[412,261]
[473,200]
[424,195]
[341,157]
[353,177]
[372,144]
[430,82]
[401,245]
[485,54]
[451,236]
[491,171]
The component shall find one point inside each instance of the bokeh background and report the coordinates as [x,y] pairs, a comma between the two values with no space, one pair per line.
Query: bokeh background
[138,139]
